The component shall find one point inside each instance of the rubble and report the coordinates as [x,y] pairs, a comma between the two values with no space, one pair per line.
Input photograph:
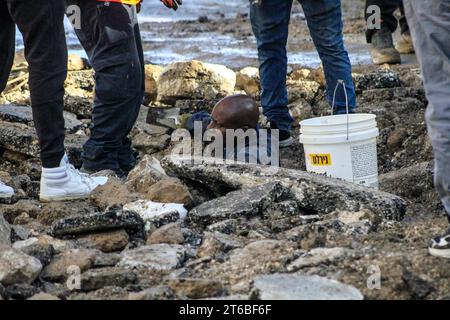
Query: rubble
[252,232]
[112,219]
[312,192]
[154,257]
[300,287]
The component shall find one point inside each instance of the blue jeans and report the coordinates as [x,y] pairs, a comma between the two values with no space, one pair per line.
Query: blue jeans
[270,23]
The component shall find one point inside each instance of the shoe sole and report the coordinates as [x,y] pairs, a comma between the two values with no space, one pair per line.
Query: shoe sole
[385,58]
[62,198]
[6,196]
[286,143]
[440,253]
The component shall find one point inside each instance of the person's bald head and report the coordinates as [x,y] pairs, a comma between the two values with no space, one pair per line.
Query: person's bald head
[235,112]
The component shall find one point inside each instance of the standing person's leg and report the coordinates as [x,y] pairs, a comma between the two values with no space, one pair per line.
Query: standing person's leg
[270,23]
[127,160]
[108,34]
[429,21]
[383,50]
[404,44]
[324,19]
[42,27]
[7,44]
[41,24]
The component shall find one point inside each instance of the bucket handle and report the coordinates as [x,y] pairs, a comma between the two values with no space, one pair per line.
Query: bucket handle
[341,82]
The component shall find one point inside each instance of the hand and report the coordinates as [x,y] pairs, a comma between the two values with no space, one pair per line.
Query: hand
[172,4]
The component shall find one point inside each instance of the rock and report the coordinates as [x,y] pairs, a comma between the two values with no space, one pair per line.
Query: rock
[99,278]
[154,293]
[299,287]
[248,80]
[114,192]
[313,193]
[414,182]
[156,215]
[42,251]
[5,232]
[19,233]
[147,172]
[23,114]
[226,226]
[307,236]
[110,241]
[170,234]
[361,222]
[20,138]
[418,287]
[43,241]
[54,211]
[195,80]
[107,260]
[319,256]
[78,105]
[154,257]
[42,296]
[107,293]
[248,202]
[21,291]
[112,219]
[170,190]
[302,89]
[148,138]
[196,288]
[215,243]
[18,268]
[164,116]
[300,110]
[76,63]
[259,257]
[382,78]
[57,270]
[152,74]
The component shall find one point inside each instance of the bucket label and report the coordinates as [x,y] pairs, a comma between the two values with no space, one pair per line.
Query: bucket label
[364,160]
[320,159]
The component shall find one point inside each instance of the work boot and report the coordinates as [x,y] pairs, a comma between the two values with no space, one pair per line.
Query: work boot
[383,50]
[440,246]
[405,44]
[5,191]
[67,183]
[285,136]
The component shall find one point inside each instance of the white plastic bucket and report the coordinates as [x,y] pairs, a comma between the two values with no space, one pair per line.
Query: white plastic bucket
[342,146]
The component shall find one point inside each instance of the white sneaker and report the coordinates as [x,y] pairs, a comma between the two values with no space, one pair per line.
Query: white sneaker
[5,191]
[67,183]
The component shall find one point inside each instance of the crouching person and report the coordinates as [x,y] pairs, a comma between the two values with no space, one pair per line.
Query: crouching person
[234,125]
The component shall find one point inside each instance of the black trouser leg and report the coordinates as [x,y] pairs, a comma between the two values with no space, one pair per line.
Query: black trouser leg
[7,44]
[109,35]
[41,24]
[388,18]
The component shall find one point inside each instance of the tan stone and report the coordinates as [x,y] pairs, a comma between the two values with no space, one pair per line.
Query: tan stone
[105,241]
[170,234]
[170,190]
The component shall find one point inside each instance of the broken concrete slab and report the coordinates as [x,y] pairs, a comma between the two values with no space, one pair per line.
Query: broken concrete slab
[24,114]
[154,257]
[248,202]
[112,219]
[302,287]
[314,193]
[95,279]
[319,256]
